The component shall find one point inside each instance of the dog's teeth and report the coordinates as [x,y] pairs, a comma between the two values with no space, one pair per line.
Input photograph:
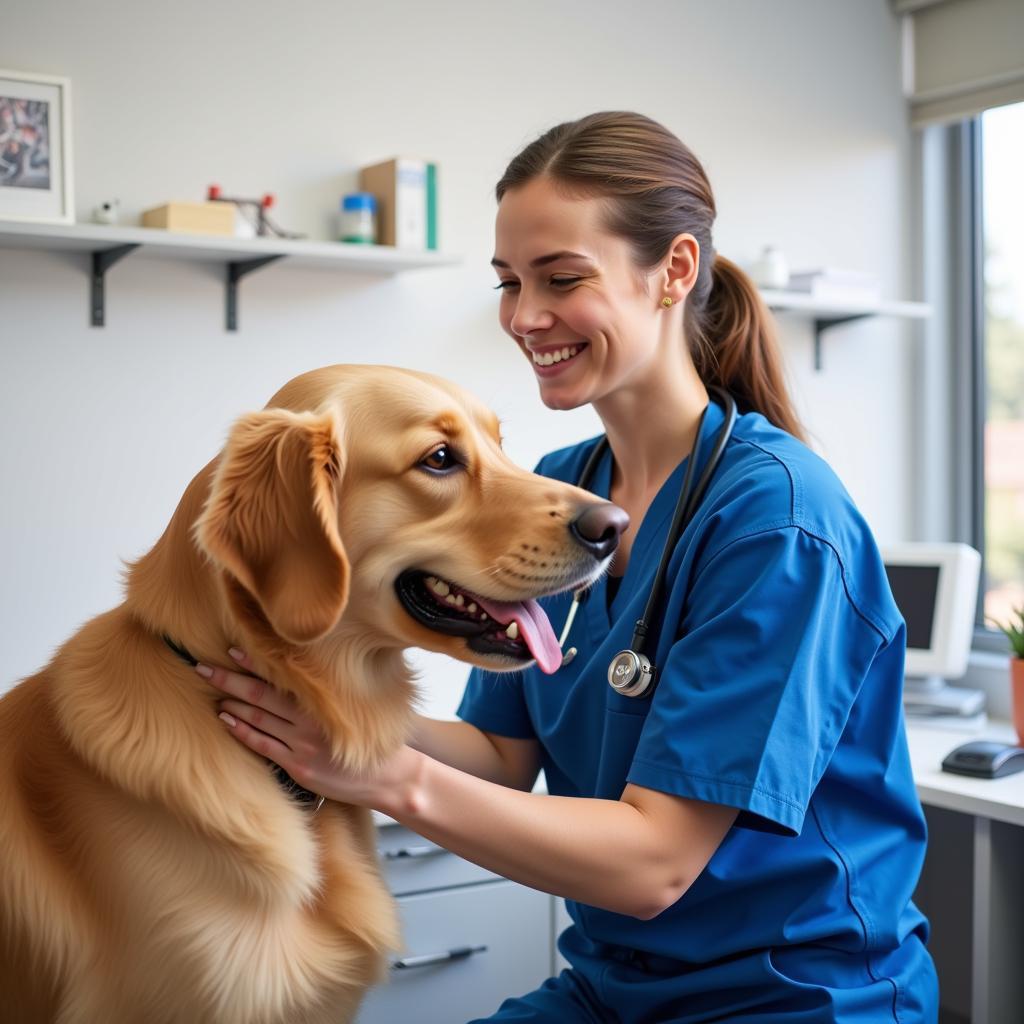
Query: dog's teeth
[460,600]
[484,615]
[513,631]
[471,607]
[450,599]
[441,588]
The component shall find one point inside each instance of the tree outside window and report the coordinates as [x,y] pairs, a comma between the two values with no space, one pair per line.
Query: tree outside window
[1002,143]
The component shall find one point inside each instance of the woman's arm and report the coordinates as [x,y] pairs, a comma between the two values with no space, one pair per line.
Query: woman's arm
[636,855]
[501,759]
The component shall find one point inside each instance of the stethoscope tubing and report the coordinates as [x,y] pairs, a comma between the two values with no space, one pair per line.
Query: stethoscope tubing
[686,509]
[689,500]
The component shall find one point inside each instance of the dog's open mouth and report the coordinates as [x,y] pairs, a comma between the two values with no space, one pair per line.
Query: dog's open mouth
[518,630]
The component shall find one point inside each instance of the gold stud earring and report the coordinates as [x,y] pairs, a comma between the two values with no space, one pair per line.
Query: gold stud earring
[666,302]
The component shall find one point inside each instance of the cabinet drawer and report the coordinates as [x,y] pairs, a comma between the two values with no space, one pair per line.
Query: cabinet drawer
[413,864]
[510,920]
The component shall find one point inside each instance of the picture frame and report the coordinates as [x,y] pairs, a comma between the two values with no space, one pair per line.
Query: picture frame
[36,181]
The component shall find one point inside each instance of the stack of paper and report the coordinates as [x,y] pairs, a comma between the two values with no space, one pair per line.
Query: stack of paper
[834,285]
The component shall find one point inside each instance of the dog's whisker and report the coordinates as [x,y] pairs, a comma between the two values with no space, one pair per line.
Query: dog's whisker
[490,571]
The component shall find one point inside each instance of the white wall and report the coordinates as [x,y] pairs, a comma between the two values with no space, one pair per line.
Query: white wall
[793,106]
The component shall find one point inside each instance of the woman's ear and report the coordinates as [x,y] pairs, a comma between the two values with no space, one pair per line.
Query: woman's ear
[680,267]
[270,521]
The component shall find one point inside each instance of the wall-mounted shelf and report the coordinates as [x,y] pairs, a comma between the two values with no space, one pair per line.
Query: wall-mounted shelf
[240,256]
[826,314]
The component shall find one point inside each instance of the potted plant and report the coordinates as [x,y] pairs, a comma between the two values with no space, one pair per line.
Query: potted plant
[1014,630]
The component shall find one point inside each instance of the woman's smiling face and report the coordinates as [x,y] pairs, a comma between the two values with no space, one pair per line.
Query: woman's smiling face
[572,297]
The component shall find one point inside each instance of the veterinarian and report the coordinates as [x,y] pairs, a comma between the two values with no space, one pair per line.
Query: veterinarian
[742,844]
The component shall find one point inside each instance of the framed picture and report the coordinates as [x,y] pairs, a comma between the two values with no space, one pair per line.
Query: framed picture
[35,148]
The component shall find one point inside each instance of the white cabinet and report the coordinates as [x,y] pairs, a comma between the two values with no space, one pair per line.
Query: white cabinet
[471,938]
[414,864]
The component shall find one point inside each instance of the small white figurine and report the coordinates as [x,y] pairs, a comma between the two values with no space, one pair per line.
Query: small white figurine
[771,270]
[107,212]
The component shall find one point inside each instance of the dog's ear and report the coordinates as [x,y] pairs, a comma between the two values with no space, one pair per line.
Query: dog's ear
[271,520]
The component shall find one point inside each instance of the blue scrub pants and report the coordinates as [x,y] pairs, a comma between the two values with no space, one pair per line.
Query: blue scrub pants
[611,985]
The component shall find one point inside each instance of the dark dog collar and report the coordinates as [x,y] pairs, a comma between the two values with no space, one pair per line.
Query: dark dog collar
[310,801]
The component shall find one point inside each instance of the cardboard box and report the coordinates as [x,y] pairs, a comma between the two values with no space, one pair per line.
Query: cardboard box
[197,218]
[406,192]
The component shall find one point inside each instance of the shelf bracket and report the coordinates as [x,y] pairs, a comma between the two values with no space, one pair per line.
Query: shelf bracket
[237,269]
[102,261]
[823,324]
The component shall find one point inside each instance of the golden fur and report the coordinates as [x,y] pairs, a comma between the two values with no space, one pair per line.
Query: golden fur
[151,868]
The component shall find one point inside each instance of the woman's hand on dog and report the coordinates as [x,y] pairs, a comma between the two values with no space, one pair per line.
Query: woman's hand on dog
[272,724]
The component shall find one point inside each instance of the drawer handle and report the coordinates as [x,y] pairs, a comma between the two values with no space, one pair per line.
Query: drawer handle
[458,953]
[414,851]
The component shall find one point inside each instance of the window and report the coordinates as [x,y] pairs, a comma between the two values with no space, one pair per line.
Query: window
[1000,531]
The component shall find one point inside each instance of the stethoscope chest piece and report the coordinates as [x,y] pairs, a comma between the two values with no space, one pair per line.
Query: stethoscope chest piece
[630,674]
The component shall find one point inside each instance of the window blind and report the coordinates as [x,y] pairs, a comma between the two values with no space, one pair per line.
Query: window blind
[961,56]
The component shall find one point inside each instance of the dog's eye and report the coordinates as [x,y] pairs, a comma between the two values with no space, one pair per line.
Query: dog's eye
[441,460]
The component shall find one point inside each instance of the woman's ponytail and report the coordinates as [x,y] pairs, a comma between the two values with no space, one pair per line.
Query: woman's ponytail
[735,345]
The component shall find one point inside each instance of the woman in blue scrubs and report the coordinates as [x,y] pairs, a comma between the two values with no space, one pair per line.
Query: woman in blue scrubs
[744,844]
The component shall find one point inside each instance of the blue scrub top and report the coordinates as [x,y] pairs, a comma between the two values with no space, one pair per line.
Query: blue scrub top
[780,666]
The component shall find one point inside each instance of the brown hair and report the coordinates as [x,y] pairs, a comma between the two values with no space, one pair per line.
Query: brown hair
[656,189]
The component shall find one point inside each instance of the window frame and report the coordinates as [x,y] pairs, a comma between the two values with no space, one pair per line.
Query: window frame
[969,360]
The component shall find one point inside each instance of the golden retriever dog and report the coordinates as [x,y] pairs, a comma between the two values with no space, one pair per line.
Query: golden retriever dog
[152,869]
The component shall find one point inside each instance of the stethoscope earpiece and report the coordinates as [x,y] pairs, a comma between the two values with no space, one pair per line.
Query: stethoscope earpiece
[578,598]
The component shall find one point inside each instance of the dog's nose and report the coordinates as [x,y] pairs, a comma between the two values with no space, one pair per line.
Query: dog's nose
[598,528]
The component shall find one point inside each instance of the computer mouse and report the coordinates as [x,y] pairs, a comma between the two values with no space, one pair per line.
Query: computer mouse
[985,759]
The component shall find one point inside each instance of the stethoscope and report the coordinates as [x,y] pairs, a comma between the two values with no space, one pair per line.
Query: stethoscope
[631,672]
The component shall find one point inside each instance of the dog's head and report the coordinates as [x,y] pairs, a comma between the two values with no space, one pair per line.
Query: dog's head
[377,502]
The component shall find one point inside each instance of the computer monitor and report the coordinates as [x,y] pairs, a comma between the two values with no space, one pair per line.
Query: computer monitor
[936,590]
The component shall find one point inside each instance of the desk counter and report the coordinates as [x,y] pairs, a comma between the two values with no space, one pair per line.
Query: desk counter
[996,799]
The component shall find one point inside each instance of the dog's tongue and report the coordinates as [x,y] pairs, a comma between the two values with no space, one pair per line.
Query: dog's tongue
[534,628]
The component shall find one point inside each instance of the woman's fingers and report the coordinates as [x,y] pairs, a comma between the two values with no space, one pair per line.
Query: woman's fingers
[268,721]
[250,689]
[272,737]
[276,728]
[242,658]
[255,740]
